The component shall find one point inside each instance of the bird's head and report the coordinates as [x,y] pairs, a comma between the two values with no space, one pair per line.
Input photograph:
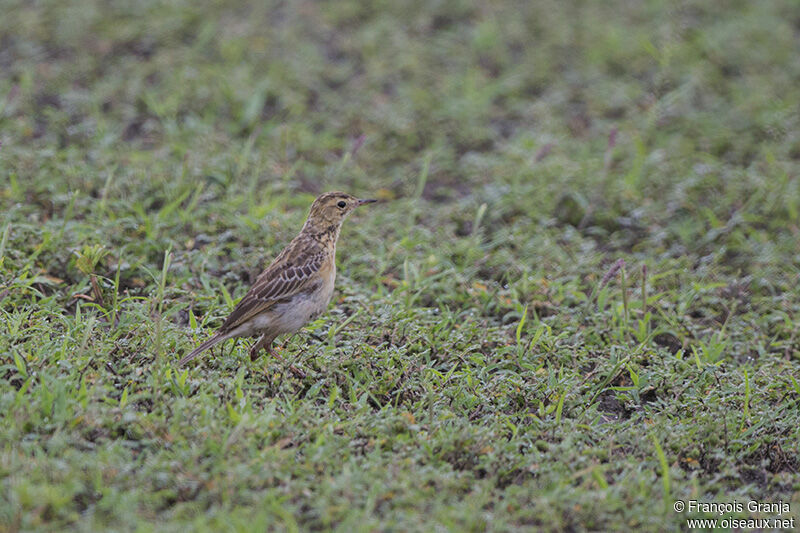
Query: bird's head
[330,209]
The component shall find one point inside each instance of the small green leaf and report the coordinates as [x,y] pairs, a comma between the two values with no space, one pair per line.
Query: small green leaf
[795,384]
[518,333]
[19,362]
[334,394]
[662,459]
[232,414]
[560,407]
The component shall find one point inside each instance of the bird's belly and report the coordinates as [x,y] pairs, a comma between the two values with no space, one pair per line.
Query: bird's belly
[290,316]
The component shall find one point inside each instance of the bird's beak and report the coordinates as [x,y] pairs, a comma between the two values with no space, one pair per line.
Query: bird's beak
[362,202]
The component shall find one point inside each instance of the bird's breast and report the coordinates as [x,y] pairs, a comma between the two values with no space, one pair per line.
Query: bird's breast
[328,276]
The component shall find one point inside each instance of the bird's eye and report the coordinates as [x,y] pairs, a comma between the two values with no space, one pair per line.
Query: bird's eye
[342,204]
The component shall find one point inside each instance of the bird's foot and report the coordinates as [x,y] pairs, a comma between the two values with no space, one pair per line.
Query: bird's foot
[296,371]
[254,353]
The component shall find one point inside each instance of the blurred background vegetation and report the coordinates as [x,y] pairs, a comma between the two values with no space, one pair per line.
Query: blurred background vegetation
[476,371]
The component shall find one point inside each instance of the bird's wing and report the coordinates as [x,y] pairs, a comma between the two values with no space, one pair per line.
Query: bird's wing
[284,278]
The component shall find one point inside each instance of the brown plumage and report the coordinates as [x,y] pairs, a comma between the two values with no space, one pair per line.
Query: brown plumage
[296,287]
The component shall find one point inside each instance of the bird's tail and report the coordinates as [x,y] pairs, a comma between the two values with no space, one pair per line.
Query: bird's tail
[214,340]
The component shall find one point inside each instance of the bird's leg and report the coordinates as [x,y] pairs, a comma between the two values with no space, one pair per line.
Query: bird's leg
[296,371]
[264,341]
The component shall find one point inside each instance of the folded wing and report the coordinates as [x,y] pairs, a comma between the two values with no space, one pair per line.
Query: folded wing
[280,281]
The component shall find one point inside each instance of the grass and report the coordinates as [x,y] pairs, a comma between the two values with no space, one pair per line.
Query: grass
[578,303]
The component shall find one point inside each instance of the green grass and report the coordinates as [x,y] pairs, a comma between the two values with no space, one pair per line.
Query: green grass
[475,370]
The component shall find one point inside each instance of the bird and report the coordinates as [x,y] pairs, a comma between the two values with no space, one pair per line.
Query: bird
[296,287]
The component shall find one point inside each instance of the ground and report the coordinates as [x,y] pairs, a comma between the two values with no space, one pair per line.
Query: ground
[577,303]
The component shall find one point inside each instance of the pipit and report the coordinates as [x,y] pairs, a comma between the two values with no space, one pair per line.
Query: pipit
[296,287]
